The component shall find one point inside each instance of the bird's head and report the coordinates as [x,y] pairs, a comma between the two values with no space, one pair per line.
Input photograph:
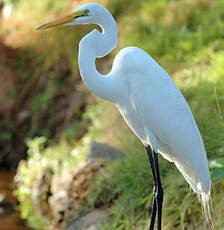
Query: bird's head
[91,13]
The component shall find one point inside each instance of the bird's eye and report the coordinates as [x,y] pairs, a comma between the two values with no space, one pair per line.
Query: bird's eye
[86,12]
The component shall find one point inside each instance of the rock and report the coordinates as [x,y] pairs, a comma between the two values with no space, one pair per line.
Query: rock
[82,179]
[93,227]
[59,199]
[91,221]
[98,155]
[102,151]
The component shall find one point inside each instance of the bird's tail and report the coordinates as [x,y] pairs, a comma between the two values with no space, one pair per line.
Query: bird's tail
[207,206]
[198,188]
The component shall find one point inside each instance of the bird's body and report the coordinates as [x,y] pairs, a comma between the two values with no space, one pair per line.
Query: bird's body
[163,120]
[154,109]
[147,98]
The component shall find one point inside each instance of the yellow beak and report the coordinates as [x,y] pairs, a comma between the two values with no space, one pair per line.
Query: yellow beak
[62,21]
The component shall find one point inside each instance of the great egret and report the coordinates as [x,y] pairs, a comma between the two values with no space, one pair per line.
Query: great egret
[149,101]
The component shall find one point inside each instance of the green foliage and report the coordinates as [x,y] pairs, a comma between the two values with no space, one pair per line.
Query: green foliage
[73,132]
[7,136]
[6,2]
[12,94]
[92,115]
[41,99]
[217,168]
[174,31]
[25,177]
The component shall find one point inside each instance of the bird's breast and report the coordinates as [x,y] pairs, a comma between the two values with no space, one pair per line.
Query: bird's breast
[131,118]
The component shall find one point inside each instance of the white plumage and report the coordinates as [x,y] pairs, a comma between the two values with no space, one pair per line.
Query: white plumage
[148,99]
[156,111]
[158,114]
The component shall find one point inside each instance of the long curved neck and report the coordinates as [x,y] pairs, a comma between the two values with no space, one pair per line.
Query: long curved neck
[95,45]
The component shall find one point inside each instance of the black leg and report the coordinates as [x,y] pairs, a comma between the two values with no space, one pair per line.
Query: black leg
[153,214]
[158,190]
[159,193]
[154,205]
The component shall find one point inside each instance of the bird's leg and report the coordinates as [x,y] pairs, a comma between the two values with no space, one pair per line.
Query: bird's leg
[154,211]
[154,202]
[159,192]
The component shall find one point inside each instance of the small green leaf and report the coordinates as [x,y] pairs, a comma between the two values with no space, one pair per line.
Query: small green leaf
[218,173]
[6,136]
[217,163]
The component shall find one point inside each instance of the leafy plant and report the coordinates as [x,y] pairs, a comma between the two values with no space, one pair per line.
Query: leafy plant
[217,168]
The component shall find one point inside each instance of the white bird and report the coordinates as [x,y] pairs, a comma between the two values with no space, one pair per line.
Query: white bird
[149,101]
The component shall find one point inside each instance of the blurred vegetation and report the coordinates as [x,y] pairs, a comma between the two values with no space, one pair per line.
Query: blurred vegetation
[43,161]
[185,37]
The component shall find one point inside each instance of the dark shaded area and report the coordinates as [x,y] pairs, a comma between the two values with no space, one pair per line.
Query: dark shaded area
[9,218]
[33,107]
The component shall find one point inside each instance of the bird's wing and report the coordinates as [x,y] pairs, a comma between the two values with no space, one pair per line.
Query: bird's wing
[165,113]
